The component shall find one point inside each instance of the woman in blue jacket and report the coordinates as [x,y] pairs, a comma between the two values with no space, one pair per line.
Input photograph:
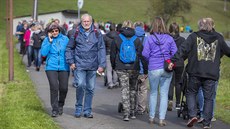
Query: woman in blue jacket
[57,71]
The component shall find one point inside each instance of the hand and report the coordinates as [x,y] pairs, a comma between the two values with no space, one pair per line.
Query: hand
[72,66]
[144,77]
[170,67]
[100,70]
[50,37]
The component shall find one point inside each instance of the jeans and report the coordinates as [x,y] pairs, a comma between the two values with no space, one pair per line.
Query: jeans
[58,81]
[29,54]
[208,87]
[159,79]
[85,81]
[37,57]
[201,100]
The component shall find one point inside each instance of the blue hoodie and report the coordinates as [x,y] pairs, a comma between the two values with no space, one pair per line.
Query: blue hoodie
[153,50]
[140,33]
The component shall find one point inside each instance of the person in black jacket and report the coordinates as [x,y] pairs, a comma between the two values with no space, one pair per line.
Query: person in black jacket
[111,75]
[203,49]
[127,72]
[38,36]
[174,32]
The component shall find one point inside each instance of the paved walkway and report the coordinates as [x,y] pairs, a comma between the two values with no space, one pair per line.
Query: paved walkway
[105,109]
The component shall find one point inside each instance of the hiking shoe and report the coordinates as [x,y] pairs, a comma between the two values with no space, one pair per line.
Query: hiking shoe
[88,115]
[151,120]
[213,119]
[170,105]
[207,127]
[60,110]
[110,87]
[162,123]
[37,69]
[177,106]
[54,114]
[132,115]
[200,120]
[77,115]
[116,85]
[192,121]
[126,118]
[140,112]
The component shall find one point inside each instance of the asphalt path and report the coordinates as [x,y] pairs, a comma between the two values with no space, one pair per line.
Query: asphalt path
[104,109]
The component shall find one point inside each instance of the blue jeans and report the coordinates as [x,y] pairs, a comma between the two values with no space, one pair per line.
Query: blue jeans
[159,79]
[37,57]
[201,100]
[29,54]
[85,81]
[208,87]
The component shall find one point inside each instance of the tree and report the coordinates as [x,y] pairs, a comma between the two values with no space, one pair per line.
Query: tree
[168,9]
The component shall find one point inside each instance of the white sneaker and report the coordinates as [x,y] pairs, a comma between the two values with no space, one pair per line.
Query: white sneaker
[213,119]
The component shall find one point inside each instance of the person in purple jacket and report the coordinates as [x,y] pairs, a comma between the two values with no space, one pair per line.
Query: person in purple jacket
[155,53]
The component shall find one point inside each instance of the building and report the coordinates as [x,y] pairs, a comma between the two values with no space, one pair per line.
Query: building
[63,16]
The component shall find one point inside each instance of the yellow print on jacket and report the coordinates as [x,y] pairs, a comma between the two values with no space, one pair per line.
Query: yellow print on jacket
[206,51]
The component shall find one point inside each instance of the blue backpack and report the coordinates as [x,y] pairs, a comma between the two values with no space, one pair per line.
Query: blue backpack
[127,49]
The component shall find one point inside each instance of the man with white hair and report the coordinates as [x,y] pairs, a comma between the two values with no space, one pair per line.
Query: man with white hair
[85,54]
[203,49]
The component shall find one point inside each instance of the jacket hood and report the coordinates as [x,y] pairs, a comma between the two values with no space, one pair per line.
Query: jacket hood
[127,32]
[162,38]
[209,37]
[139,31]
[112,34]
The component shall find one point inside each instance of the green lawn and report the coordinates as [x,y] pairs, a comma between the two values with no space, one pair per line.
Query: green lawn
[223,93]
[19,105]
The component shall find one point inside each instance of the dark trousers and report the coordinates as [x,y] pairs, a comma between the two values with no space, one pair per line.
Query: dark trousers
[177,73]
[22,46]
[208,87]
[58,81]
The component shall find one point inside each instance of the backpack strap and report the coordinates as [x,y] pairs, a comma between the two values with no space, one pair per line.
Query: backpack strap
[96,31]
[122,37]
[76,33]
[132,39]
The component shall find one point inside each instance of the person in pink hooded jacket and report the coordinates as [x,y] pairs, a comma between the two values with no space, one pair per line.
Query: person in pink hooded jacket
[29,43]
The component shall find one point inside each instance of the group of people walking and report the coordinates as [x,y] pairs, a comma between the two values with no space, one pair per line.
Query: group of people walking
[87,52]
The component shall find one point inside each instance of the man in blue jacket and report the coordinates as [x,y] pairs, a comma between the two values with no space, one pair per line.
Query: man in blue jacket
[85,53]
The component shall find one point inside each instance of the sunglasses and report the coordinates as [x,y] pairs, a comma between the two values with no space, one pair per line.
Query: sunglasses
[55,31]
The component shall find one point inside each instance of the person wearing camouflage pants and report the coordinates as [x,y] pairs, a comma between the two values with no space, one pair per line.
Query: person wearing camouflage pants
[128,82]
[127,72]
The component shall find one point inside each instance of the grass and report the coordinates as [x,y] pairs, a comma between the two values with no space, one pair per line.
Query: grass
[222,109]
[19,105]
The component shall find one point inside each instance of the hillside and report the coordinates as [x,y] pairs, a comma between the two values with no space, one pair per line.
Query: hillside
[120,10]
[117,11]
